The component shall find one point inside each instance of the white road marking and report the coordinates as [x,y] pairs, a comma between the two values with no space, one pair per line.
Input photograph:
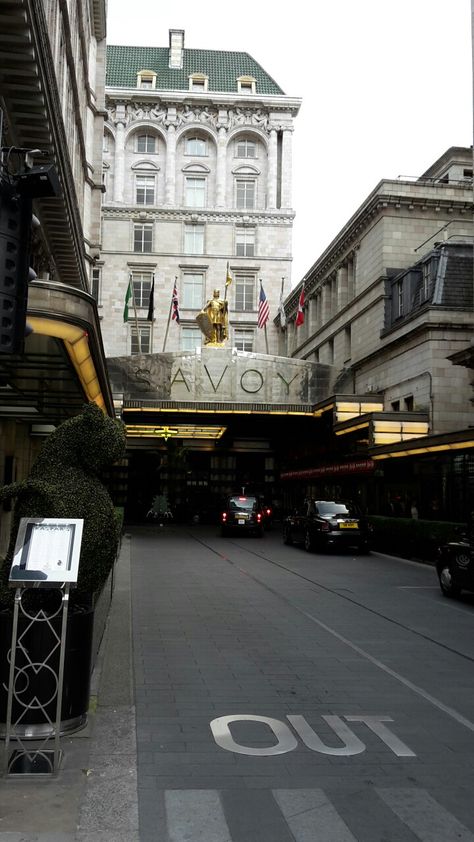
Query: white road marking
[194,815]
[311,817]
[437,703]
[424,816]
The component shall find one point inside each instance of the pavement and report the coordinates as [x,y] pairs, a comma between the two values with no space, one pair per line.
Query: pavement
[265,635]
[93,798]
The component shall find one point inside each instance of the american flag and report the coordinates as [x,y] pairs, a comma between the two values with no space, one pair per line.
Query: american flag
[175,303]
[263,308]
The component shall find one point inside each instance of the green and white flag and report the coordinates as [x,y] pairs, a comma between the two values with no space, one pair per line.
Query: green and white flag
[128,296]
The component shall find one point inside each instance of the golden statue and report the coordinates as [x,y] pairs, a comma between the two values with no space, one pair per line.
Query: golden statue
[213,320]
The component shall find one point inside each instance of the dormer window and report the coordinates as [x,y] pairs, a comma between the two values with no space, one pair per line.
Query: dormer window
[146,79]
[246,85]
[198,82]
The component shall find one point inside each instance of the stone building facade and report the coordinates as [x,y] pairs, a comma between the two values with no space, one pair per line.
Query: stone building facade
[389,304]
[380,305]
[52,78]
[197,170]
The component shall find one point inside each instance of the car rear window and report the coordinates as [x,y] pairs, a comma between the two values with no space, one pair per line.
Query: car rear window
[332,509]
[240,504]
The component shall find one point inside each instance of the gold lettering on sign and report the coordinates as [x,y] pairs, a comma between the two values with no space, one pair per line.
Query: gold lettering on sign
[287,382]
[210,378]
[182,379]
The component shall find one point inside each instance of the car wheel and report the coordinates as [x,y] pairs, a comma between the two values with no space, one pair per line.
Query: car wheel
[287,537]
[308,541]
[446,582]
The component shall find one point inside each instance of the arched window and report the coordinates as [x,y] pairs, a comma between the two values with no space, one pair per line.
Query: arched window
[196,146]
[145,142]
[246,148]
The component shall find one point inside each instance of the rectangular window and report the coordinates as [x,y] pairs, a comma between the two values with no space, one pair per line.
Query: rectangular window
[243,340]
[195,192]
[194,239]
[190,338]
[145,189]
[399,292]
[426,280]
[193,283]
[143,238]
[95,283]
[140,342]
[244,293]
[146,143]
[245,242]
[141,288]
[409,403]
[347,343]
[245,193]
[330,351]
[246,149]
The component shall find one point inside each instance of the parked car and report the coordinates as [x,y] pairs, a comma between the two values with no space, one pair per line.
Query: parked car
[455,566]
[327,524]
[242,513]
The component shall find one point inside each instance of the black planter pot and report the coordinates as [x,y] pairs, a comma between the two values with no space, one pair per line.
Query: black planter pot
[34,698]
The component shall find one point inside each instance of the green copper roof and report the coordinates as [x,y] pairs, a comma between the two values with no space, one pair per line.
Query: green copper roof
[222,68]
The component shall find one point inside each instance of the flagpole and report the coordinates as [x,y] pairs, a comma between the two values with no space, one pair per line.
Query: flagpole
[152,315]
[169,319]
[139,340]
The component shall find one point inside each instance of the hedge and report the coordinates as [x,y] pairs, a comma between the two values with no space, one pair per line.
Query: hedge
[411,538]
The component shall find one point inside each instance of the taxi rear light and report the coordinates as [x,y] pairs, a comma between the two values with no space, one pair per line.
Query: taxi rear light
[224,517]
[259,517]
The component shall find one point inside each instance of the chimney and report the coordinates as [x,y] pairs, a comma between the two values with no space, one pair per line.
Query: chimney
[176,48]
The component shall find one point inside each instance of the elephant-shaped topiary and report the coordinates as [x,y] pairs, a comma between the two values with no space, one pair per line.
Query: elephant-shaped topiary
[65,482]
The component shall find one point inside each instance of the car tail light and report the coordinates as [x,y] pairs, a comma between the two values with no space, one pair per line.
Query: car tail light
[259,517]
[325,526]
[224,517]
[268,512]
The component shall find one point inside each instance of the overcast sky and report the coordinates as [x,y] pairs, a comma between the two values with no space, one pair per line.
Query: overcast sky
[386,87]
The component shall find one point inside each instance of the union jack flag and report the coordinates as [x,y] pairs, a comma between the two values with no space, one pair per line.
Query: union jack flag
[175,303]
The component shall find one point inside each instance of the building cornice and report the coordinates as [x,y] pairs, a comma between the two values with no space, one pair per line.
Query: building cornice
[398,196]
[132,212]
[273,102]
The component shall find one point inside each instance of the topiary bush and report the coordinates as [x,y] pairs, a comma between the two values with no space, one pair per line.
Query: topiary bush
[65,482]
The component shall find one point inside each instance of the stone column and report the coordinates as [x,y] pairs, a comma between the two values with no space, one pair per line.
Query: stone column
[221,167]
[341,287]
[119,161]
[350,277]
[170,182]
[286,174]
[326,303]
[312,315]
[272,171]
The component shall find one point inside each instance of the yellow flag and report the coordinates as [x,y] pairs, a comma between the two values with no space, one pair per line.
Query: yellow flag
[228,279]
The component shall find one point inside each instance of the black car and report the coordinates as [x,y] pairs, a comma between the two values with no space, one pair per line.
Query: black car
[455,566]
[242,513]
[327,524]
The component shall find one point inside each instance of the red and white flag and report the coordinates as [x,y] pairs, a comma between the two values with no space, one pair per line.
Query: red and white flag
[300,312]
[263,308]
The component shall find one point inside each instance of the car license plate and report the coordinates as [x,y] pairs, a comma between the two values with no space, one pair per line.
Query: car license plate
[241,521]
[349,525]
